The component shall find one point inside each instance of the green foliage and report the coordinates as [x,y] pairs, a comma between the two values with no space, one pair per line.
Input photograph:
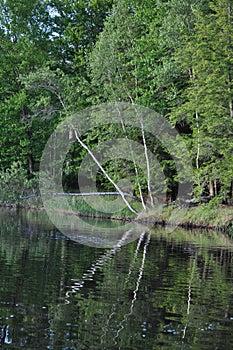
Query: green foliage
[14,184]
[58,57]
[206,58]
[82,207]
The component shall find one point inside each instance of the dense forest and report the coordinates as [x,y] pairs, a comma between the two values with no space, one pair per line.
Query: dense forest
[59,57]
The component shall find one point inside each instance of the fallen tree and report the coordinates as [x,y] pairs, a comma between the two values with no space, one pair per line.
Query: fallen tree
[87,194]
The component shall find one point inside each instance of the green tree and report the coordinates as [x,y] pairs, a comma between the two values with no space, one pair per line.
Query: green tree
[132,61]
[23,48]
[206,58]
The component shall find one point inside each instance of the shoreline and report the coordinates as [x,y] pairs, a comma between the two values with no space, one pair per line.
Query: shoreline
[202,217]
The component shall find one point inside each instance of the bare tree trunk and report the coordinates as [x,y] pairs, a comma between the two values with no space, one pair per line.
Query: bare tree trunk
[130,146]
[30,163]
[147,164]
[198,140]
[211,189]
[192,77]
[103,171]
[215,187]
[143,134]
[135,165]
[144,143]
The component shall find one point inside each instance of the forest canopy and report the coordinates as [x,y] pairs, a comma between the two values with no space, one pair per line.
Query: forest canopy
[59,57]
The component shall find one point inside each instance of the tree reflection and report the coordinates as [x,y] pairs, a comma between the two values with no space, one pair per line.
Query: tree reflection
[159,291]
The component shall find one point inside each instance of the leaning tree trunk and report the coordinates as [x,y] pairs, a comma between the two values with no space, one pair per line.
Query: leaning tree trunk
[103,171]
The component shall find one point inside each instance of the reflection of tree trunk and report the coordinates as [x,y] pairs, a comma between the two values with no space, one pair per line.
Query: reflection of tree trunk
[189,294]
[227,309]
[62,280]
[129,273]
[121,327]
[103,171]
[188,309]
[3,334]
[135,255]
[77,285]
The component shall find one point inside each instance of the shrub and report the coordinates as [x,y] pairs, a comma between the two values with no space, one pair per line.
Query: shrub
[14,184]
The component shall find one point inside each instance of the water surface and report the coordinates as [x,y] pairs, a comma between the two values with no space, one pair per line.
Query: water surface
[159,291]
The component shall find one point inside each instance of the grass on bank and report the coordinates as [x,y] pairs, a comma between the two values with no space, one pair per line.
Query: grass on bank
[204,215]
[103,206]
[207,215]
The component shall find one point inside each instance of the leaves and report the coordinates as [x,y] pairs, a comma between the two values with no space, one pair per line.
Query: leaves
[59,57]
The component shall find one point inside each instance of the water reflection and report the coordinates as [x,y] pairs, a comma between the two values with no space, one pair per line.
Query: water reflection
[160,291]
[96,232]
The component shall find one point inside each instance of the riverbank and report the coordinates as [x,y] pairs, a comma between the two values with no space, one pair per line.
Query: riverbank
[204,216]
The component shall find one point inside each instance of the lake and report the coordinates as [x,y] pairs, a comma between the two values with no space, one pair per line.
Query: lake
[155,290]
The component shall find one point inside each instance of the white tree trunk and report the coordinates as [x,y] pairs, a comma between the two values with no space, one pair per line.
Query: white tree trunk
[103,171]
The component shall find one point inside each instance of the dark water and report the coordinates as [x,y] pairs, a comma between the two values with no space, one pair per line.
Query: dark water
[160,291]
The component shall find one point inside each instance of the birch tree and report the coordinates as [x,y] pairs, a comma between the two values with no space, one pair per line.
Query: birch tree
[114,66]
